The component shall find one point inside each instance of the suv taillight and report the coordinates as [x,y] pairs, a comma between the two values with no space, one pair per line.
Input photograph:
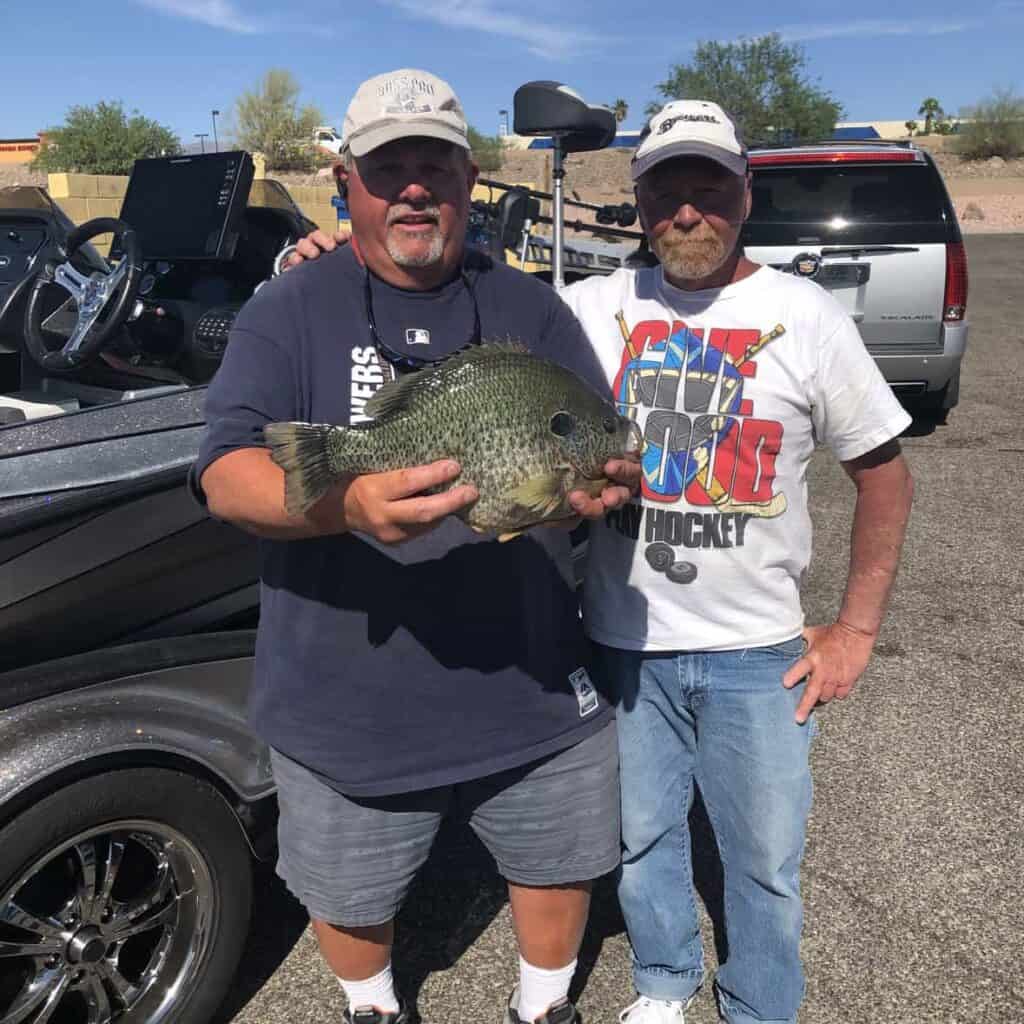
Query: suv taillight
[818,156]
[954,303]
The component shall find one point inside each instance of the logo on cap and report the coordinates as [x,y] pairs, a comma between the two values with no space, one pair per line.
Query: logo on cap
[417,336]
[407,94]
[666,126]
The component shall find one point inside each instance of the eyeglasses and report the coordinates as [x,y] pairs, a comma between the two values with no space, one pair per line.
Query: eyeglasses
[399,360]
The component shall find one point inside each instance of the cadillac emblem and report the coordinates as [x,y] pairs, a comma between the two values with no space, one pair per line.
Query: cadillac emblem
[807,264]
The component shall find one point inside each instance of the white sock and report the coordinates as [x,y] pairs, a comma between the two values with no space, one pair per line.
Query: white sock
[377,991]
[539,988]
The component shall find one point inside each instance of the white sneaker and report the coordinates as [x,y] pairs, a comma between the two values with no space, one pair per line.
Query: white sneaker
[653,1011]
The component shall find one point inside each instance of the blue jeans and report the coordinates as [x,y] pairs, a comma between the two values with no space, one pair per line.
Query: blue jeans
[723,720]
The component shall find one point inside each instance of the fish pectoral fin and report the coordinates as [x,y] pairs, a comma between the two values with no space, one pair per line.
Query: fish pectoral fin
[593,487]
[540,495]
[511,535]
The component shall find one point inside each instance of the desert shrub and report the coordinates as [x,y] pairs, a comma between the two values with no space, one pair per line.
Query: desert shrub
[995,128]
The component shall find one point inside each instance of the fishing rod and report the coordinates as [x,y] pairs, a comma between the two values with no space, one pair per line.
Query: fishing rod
[601,229]
[623,214]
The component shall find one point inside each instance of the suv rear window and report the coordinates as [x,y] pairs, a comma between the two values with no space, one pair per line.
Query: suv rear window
[844,204]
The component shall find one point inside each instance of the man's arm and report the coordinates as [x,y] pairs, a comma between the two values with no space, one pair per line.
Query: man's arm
[316,242]
[256,385]
[246,488]
[837,654]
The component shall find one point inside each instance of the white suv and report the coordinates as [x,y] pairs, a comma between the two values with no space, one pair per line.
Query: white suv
[873,224]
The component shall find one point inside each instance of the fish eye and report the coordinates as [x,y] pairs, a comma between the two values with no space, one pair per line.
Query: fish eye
[562,424]
[609,425]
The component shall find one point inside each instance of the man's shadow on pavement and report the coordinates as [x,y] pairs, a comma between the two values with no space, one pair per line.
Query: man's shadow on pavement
[454,900]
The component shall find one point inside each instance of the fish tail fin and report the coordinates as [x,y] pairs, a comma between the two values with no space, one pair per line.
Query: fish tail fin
[301,450]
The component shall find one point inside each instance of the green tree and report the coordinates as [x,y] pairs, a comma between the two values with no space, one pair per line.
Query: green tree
[931,111]
[488,151]
[621,109]
[993,127]
[269,121]
[103,140]
[761,83]
[911,127]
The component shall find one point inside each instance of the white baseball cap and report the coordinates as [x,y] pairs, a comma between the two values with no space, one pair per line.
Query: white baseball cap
[690,128]
[400,104]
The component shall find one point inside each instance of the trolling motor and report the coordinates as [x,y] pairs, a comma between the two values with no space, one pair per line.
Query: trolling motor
[551,108]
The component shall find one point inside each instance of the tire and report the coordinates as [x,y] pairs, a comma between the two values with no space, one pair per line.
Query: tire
[162,945]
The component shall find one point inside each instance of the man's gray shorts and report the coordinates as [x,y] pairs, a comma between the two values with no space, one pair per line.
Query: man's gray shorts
[351,861]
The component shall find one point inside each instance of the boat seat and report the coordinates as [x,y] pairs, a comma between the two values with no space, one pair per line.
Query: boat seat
[33,405]
[551,108]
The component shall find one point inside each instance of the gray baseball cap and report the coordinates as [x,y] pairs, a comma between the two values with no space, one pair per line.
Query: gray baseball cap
[400,104]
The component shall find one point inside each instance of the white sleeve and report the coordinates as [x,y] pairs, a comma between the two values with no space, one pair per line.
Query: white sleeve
[854,409]
[572,296]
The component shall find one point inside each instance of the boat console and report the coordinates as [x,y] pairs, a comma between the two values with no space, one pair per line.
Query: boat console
[195,238]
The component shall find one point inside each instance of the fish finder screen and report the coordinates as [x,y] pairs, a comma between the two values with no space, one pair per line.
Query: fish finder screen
[188,207]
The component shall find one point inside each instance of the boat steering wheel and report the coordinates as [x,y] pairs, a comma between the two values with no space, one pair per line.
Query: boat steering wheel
[115,290]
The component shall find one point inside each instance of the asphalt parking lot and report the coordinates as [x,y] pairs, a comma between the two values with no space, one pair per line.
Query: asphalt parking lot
[914,872]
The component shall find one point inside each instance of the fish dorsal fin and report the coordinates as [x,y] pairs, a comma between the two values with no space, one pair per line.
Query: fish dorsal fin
[399,394]
[396,394]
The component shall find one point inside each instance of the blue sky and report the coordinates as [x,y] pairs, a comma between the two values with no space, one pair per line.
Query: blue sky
[176,60]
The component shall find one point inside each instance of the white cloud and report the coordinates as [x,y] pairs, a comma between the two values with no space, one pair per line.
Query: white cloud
[874,28]
[227,16]
[222,14]
[543,39]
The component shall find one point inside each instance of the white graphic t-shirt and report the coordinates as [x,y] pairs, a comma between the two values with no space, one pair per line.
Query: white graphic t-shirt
[732,388]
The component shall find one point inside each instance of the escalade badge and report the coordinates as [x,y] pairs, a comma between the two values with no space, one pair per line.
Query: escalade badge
[807,264]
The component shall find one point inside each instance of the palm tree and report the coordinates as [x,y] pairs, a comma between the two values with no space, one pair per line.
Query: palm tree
[621,108]
[931,110]
[911,127]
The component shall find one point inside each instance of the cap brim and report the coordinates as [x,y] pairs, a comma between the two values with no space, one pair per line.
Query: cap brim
[373,138]
[735,162]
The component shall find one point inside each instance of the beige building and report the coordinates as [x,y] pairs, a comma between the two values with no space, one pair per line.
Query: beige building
[895,129]
[18,151]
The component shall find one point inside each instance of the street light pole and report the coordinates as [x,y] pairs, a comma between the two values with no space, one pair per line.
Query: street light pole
[200,136]
[216,145]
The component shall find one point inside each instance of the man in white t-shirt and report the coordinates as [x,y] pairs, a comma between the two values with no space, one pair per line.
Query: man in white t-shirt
[733,371]
[692,592]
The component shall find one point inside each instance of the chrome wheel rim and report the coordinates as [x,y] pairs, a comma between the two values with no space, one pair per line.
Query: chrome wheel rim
[116,919]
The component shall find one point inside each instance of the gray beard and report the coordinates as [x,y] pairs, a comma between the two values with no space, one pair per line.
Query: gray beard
[421,259]
[690,259]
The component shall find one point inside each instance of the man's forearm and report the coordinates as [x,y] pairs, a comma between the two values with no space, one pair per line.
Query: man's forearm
[884,495]
[246,489]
